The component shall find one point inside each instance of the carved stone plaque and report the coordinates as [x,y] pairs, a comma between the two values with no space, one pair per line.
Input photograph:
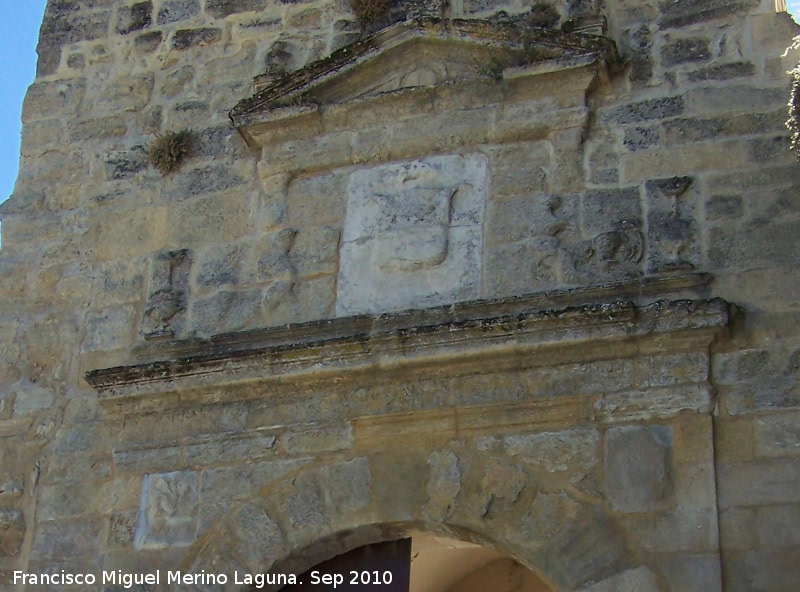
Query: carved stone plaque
[412,235]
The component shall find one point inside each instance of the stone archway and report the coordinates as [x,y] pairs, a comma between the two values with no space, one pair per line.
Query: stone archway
[323,510]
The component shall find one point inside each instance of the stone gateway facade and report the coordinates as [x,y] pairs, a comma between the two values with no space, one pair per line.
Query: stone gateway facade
[517,281]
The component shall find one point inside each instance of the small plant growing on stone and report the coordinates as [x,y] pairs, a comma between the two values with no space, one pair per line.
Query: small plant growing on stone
[369,11]
[493,68]
[794,111]
[542,15]
[167,152]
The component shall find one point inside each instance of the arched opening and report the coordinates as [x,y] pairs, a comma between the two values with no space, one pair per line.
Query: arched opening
[420,563]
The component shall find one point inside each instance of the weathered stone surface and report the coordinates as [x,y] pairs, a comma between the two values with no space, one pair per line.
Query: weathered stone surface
[186,38]
[444,485]
[173,11]
[319,440]
[12,532]
[259,538]
[653,109]
[556,451]
[62,539]
[697,11]
[681,51]
[412,235]
[638,467]
[134,18]
[532,422]
[640,579]
[223,8]
[347,485]
[169,511]
[549,514]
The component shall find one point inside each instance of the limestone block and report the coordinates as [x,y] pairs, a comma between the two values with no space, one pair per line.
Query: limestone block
[258,538]
[693,573]
[650,110]
[501,484]
[227,310]
[638,467]
[223,8]
[640,579]
[111,329]
[194,221]
[534,215]
[589,549]
[53,99]
[305,503]
[681,14]
[768,481]
[412,235]
[30,397]
[168,286]
[173,11]
[346,486]
[224,485]
[733,98]
[165,458]
[213,450]
[315,250]
[687,49]
[273,255]
[63,539]
[672,227]
[148,42]
[548,515]
[641,138]
[723,72]
[556,451]
[523,267]
[319,439]
[12,532]
[134,18]
[681,530]
[221,266]
[122,529]
[778,435]
[169,510]
[129,233]
[520,169]
[754,246]
[316,200]
[186,38]
[444,485]
[777,525]
[129,93]
[652,164]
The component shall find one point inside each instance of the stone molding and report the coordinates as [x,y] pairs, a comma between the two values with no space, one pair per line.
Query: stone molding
[446,53]
[491,333]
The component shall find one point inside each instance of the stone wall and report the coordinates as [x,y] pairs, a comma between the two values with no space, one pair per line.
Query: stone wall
[616,180]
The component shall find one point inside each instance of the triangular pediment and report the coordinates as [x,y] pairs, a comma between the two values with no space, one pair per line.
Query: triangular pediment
[417,54]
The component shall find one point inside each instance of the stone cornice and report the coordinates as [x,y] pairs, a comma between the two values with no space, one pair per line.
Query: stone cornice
[464,48]
[483,331]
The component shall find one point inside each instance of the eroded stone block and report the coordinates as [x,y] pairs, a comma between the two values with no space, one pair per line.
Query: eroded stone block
[412,235]
[169,510]
[638,467]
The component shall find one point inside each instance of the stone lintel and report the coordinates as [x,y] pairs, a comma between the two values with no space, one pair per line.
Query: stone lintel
[413,56]
[484,334]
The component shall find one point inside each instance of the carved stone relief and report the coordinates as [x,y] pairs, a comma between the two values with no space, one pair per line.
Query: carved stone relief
[412,235]
[169,510]
[672,231]
[168,298]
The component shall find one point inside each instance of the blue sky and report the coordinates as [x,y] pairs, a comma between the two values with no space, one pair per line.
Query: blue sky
[18,32]
[19,29]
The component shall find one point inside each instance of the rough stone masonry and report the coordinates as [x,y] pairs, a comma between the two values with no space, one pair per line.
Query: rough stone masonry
[519,274]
